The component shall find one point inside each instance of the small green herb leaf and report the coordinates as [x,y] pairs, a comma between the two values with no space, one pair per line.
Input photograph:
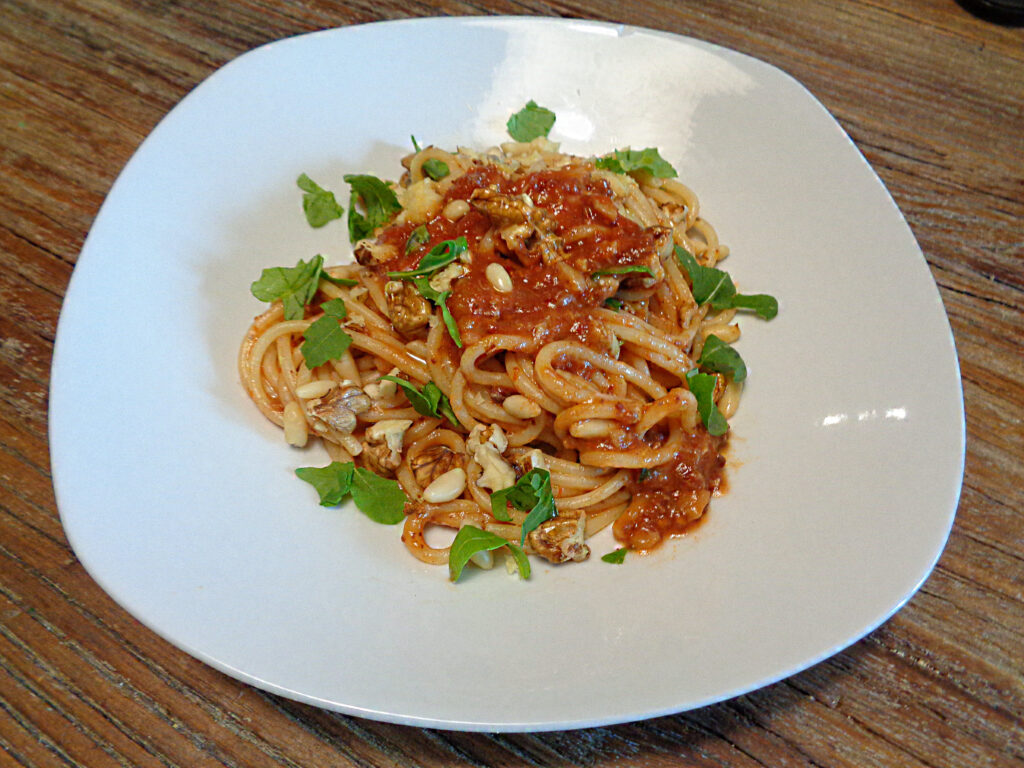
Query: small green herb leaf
[470,540]
[439,298]
[532,493]
[626,160]
[380,499]
[435,169]
[623,270]
[294,286]
[417,237]
[613,303]
[324,339]
[318,204]
[615,557]
[703,387]
[430,401]
[415,145]
[332,482]
[379,201]
[718,356]
[530,122]
[343,281]
[440,255]
[714,286]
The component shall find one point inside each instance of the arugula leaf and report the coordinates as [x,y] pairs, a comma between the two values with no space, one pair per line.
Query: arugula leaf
[470,540]
[415,145]
[626,160]
[417,237]
[615,557]
[332,482]
[439,298]
[532,492]
[440,255]
[294,286]
[324,339]
[530,122]
[718,356]
[318,204]
[431,401]
[703,387]
[380,499]
[623,270]
[613,303]
[435,169]
[379,201]
[343,281]
[715,286]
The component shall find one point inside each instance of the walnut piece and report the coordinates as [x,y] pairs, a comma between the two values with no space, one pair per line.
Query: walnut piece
[407,309]
[560,539]
[369,253]
[339,411]
[527,230]
[382,447]
[432,463]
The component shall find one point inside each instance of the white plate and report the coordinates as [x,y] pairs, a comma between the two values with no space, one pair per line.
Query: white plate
[180,500]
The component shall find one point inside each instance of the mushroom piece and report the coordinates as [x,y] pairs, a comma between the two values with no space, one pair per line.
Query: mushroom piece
[383,445]
[560,539]
[407,309]
[339,411]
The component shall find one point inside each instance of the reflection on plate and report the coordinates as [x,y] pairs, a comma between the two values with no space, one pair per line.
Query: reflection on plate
[180,500]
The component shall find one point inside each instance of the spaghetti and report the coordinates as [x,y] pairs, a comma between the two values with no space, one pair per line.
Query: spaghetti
[539,296]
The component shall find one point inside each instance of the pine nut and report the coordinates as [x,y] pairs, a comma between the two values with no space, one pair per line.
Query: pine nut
[315,388]
[592,428]
[483,560]
[455,210]
[521,407]
[498,276]
[295,431]
[446,487]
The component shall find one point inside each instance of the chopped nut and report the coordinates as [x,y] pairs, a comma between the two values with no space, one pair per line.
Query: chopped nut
[442,281]
[560,539]
[369,253]
[407,309]
[383,445]
[482,434]
[432,463]
[339,411]
[527,230]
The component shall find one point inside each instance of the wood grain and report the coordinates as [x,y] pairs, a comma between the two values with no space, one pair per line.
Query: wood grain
[932,96]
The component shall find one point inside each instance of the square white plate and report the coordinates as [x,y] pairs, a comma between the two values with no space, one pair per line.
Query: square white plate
[179,498]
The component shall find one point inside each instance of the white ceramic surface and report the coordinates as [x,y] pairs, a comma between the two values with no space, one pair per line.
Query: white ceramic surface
[180,500]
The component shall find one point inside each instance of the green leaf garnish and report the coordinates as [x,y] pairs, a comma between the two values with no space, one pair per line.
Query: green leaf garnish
[435,169]
[380,499]
[530,122]
[430,401]
[379,202]
[613,303]
[441,255]
[714,286]
[532,492]
[439,298]
[294,286]
[470,540]
[615,557]
[324,339]
[343,281]
[415,145]
[718,356]
[623,270]
[318,204]
[626,160]
[703,387]
[331,482]
[419,236]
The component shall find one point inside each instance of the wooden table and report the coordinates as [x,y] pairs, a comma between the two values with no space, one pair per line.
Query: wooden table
[932,96]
